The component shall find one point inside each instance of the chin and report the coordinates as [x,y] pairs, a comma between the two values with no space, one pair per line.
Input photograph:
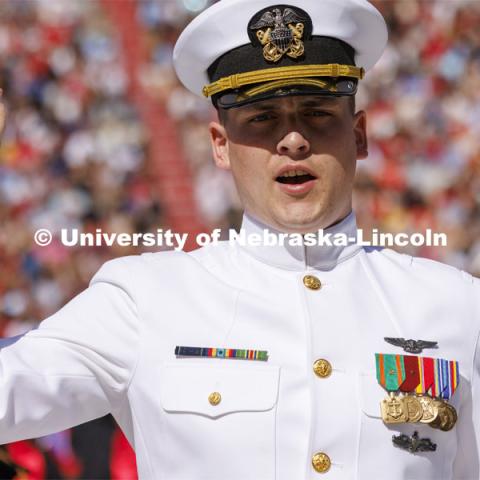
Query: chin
[301,222]
[311,216]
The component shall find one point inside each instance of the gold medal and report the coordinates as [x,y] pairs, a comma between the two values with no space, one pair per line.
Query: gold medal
[414,408]
[451,418]
[393,409]
[447,417]
[430,409]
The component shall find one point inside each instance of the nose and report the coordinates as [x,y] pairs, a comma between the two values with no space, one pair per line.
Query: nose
[293,144]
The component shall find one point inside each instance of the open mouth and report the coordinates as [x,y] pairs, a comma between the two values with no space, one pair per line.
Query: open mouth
[295,177]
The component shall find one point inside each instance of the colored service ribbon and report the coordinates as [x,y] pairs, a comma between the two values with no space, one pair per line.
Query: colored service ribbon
[237,353]
[390,371]
[412,373]
[434,376]
[440,377]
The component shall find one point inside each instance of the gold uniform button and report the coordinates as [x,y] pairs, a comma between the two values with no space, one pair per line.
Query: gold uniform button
[214,398]
[312,282]
[322,368]
[321,462]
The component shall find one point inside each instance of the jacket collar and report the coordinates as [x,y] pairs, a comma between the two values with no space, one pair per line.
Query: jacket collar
[300,257]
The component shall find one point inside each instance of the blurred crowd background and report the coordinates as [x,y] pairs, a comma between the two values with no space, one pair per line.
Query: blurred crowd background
[100,134]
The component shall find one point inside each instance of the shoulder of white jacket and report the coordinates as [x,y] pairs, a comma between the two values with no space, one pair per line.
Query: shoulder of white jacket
[124,269]
[218,252]
[427,267]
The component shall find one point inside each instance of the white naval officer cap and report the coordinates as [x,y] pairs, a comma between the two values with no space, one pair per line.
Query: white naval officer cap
[242,51]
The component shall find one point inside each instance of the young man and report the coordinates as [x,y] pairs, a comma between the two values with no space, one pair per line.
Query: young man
[273,361]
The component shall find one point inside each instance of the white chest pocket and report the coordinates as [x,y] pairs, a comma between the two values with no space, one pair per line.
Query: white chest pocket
[379,458]
[219,420]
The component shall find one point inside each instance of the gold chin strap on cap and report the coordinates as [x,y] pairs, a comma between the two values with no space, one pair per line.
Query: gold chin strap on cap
[266,87]
[282,73]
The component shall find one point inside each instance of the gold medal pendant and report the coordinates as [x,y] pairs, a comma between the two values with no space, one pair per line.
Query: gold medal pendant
[430,409]
[414,408]
[447,417]
[393,409]
[450,417]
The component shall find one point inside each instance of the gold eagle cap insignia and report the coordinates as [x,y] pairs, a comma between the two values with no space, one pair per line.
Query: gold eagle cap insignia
[280,33]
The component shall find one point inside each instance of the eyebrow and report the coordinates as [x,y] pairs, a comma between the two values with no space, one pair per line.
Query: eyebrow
[319,101]
[260,107]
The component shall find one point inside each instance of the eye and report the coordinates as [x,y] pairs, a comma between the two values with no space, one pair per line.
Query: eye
[263,117]
[317,113]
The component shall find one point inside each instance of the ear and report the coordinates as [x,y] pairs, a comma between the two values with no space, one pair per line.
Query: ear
[219,141]
[360,131]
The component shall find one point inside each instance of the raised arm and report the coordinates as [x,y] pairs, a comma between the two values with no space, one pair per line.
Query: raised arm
[76,365]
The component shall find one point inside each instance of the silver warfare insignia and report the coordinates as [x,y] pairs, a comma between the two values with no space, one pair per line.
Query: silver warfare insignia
[411,346]
[414,443]
[280,34]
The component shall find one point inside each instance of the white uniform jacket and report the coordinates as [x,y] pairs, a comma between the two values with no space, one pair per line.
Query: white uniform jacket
[111,349]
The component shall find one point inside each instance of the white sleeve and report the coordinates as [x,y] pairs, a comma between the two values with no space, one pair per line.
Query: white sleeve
[76,365]
[467,462]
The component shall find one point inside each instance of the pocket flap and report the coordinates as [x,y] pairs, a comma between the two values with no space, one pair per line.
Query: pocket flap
[248,388]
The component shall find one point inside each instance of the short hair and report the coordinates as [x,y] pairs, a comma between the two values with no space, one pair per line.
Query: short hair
[222,112]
